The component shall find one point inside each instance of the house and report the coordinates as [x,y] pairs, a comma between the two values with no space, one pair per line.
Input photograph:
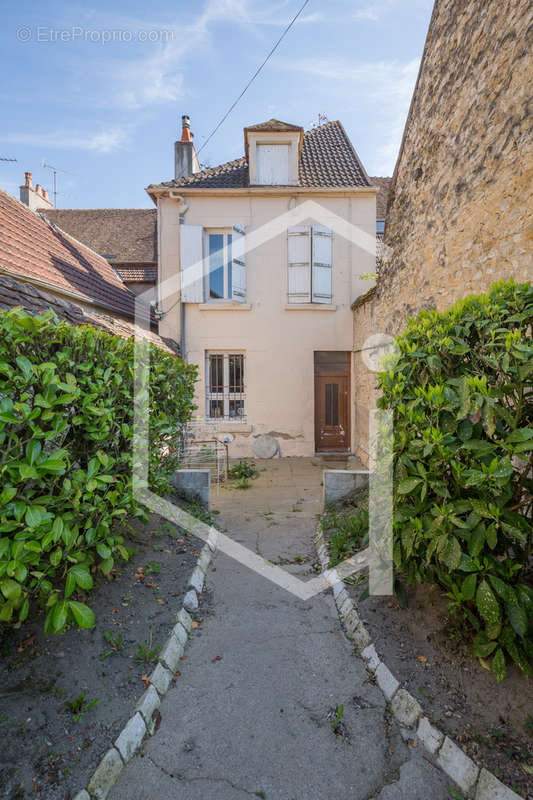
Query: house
[259,261]
[460,206]
[42,267]
[126,237]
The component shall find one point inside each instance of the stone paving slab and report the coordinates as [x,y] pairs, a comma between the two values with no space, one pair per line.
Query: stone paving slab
[248,716]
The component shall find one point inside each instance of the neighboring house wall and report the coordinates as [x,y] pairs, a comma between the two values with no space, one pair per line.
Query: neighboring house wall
[460,208]
[278,340]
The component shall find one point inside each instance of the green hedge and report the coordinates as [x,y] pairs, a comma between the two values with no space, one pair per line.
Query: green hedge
[66,427]
[461,388]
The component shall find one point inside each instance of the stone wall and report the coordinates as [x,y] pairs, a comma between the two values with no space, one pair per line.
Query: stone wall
[460,214]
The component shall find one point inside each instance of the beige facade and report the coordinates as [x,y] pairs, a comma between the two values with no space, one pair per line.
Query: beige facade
[277,338]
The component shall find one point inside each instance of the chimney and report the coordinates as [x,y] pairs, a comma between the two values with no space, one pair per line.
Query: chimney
[185,158]
[34,198]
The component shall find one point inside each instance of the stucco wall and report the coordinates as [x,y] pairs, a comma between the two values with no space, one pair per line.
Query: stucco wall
[279,342]
[460,210]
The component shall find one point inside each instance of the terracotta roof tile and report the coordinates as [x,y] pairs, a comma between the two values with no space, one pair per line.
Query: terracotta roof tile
[134,273]
[328,159]
[127,233]
[32,247]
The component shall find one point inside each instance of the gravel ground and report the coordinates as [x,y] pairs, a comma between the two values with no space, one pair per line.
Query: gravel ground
[64,699]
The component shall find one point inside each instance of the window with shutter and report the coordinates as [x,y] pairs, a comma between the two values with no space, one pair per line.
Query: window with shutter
[322,264]
[310,264]
[238,260]
[299,253]
[191,263]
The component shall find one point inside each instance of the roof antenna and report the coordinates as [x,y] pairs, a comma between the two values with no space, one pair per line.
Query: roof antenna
[3,158]
[55,171]
[322,118]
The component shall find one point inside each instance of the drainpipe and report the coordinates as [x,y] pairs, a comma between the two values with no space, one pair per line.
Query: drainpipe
[184,204]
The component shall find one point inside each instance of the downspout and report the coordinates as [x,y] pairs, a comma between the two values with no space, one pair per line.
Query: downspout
[185,205]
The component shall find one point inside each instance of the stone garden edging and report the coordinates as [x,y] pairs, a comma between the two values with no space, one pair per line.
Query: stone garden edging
[142,723]
[477,783]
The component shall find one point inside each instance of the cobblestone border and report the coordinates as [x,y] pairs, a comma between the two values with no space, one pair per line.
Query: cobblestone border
[143,722]
[476,783]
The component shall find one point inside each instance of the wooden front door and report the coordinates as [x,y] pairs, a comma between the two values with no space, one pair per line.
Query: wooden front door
[332,402]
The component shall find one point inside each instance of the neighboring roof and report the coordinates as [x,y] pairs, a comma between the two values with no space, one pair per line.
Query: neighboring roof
[15,293]
[382,196]
[32,248]
[127,233]
[328,159]
[137,273]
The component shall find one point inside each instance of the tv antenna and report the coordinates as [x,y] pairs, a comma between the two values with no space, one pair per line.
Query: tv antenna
[55,170]
[322,118]
[3,158]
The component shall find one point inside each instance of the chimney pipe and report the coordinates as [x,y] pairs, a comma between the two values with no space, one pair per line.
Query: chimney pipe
[45,194]
[28,183]
[186,135]
[185,158]
[39,188]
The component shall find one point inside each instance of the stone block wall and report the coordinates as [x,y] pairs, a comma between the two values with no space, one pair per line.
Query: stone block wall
[460,214]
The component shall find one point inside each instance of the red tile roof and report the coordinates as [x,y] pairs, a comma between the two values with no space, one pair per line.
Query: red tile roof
[33,248]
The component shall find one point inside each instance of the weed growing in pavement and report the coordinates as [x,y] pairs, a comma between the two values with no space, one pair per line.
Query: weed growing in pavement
[80,706]
[115,642]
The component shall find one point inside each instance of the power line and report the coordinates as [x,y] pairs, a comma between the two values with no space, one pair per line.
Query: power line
[254,76]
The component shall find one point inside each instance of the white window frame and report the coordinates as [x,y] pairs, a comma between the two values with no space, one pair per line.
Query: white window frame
[265,179]
[225,232]
[225,395]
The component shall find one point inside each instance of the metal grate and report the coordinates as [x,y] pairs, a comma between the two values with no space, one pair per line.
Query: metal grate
[225,387]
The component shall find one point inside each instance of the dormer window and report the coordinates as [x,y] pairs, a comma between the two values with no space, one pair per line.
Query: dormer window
[273,153]
[272,164]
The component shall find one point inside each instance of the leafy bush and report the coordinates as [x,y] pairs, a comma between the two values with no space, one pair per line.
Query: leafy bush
[460,385]
[243,470]
[66,427]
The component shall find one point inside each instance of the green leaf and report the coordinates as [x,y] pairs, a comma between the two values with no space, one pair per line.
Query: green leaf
[34,516]
[82,614]
[483,647]
[70,584]
[476,540]
[25,367]
[82,576]
[498,665]
[107,565]
[10,589]
[468,588]
[518,619]
[7,494]
[520,435]
[452,554]
[33,450]
[408,485]
[487,604]
[59,616]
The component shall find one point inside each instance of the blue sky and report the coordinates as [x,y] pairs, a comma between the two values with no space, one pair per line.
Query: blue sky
[98,89]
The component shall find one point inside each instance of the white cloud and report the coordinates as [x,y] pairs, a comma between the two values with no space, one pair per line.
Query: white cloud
[371,13]
[102,142]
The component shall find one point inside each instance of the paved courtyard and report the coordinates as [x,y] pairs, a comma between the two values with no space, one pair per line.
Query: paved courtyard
[248,716]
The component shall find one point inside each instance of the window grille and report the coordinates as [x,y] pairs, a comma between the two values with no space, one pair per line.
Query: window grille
[225,387]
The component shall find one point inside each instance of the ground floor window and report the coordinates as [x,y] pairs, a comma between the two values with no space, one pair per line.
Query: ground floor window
[225,387]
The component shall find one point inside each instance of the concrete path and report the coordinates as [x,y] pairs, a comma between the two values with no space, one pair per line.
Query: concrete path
[248,717]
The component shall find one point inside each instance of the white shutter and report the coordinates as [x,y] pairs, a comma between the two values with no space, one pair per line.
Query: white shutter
[322,264]
[299,260]
[238,266]
[191,263]
[272,167]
